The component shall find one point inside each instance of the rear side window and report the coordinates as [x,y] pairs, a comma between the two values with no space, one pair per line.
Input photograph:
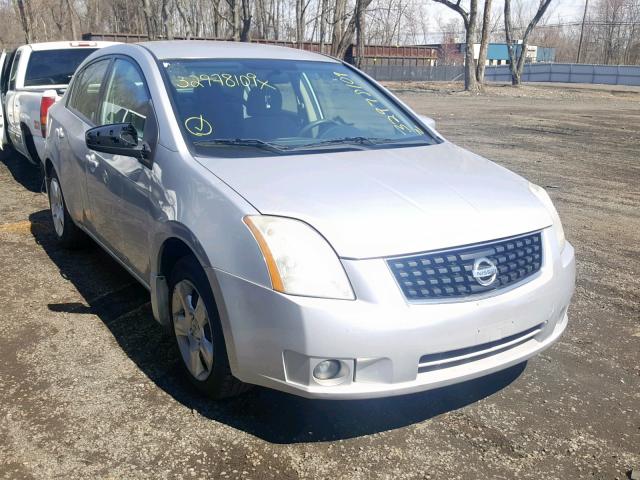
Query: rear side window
[85,97]
[126,99]
[54,67]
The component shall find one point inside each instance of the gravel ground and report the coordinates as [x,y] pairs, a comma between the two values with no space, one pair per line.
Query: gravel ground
[90,385]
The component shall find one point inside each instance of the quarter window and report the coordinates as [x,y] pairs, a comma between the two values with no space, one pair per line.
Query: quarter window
[126,99]
[85,97]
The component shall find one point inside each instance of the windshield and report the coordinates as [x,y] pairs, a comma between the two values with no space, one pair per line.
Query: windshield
[54,67]
[283,106]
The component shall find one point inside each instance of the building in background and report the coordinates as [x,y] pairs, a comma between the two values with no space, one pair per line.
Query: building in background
[497,53]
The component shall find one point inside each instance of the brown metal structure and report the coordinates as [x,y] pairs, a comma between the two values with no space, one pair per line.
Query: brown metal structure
[373,54]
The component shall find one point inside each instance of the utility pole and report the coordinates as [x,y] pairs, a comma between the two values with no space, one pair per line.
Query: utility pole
[584,17]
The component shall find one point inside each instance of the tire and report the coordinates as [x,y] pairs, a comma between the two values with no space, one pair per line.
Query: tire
[66,231]
[196,328]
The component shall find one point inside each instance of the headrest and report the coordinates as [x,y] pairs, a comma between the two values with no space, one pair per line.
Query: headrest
[264,101]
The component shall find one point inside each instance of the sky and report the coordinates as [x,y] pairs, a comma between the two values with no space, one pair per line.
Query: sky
[560,10]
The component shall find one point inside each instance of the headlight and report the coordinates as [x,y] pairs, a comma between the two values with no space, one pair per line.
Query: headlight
[542,194]
[299,259]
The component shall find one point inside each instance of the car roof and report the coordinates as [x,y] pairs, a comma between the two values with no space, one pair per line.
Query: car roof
[226,49]
[73,44]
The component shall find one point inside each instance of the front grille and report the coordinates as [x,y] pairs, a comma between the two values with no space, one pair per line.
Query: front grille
[450,273]
[453,358]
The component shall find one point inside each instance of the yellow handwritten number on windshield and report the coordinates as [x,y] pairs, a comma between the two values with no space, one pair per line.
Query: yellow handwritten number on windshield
[198,126]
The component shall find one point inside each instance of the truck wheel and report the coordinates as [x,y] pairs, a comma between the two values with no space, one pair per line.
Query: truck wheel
[198,332]
[66,231]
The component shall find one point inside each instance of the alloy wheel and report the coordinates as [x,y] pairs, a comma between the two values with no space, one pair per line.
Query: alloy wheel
[57,206]
[193,329]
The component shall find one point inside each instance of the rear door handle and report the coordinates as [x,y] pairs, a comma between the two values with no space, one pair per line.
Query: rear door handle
[60,132]
[91,161]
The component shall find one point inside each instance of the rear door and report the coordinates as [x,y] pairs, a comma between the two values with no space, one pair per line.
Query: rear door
[80,114]
[3,57]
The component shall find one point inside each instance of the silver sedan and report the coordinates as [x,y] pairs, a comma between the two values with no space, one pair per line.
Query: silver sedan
[298,226]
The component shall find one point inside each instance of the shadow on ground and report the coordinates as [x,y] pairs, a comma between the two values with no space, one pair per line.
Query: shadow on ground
[25,173]
[123,305]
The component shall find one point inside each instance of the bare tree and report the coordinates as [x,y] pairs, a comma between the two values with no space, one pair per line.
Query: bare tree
[148,19]
[301,12]
[246,21]
[324,15]
[345,25]
[360,30]
[516,62]
[24,18]
[484,42]
[469,20]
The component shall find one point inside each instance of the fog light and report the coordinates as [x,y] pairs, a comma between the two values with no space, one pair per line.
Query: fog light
[327,369]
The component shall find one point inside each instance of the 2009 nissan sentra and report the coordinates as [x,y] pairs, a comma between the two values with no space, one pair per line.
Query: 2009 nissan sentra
[298,226]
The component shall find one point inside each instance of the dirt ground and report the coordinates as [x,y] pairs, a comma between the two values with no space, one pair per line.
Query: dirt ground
[90,385]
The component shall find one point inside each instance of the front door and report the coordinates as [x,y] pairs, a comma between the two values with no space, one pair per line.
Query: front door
[125,100]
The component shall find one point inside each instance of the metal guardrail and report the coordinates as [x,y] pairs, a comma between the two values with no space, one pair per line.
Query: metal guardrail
[569,73]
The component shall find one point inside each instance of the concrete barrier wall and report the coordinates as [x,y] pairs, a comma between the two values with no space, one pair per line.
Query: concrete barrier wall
[415,73]
[533,72]
[569,73]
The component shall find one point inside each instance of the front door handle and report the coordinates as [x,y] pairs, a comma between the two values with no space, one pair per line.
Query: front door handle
[91,161]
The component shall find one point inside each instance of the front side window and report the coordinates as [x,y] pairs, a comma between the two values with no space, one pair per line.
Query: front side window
[54,67]
[126,97]
[287,105]
[85,97]
[14,70]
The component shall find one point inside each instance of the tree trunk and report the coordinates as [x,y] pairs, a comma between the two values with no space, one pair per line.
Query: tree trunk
[146,10]
[338,27]
[26,23]
[484,42]
[246,21]
[470,83]
[469,19]
[323,23]
[185,19]
[72,19]
[165,20]
[516,62]
[360,25]
[236,20]
[300,21]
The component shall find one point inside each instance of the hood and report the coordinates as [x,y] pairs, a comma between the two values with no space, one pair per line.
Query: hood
[379,203]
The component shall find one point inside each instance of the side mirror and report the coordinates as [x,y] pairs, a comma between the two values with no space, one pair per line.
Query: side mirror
[428,121]
[119,139]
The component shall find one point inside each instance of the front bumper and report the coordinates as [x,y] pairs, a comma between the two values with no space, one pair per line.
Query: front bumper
[275,340]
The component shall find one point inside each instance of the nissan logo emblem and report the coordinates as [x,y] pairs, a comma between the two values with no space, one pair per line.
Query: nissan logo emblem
[484,271]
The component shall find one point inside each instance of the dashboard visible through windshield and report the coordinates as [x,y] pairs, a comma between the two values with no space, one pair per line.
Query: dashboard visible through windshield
[283,106]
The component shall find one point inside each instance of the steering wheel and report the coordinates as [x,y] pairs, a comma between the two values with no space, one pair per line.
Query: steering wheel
[318,123]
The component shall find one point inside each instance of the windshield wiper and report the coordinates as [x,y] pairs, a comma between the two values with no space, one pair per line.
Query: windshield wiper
[361,141]
[336,141]
[240,142]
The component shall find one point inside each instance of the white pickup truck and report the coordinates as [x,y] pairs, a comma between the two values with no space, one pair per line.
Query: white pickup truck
[32,78]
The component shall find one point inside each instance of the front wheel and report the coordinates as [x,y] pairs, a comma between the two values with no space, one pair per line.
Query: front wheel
[198,332]
[67,233]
